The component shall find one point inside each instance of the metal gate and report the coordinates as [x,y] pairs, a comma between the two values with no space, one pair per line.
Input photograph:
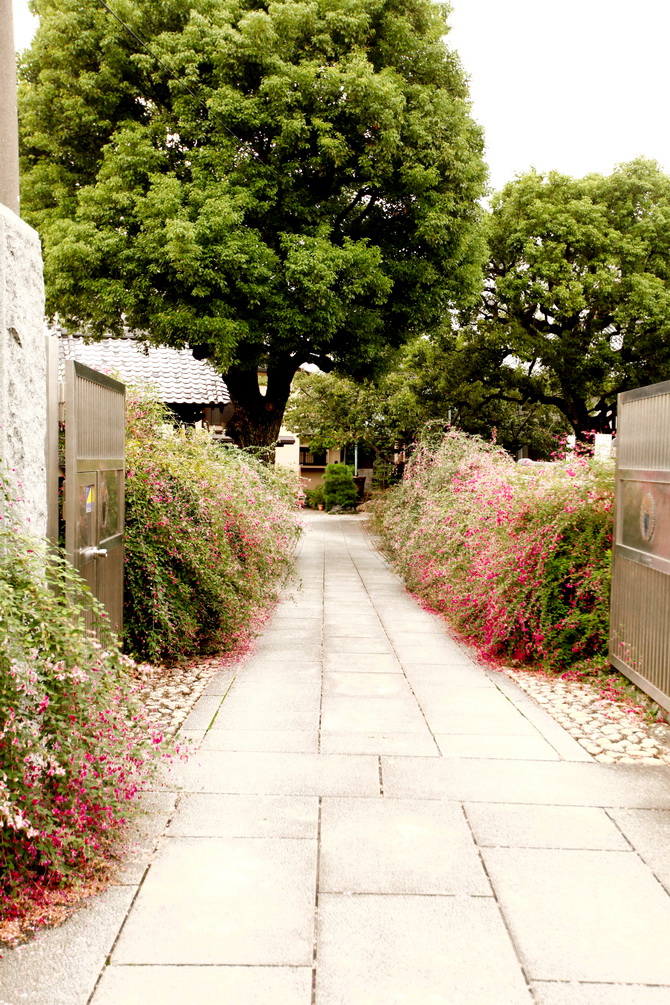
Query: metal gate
[94,482]
[640,608]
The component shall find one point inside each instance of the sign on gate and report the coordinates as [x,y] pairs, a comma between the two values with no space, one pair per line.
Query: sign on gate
[94,482]
[640,606]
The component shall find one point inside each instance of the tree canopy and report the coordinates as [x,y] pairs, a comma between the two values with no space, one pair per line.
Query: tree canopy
[271,183]
[576,306]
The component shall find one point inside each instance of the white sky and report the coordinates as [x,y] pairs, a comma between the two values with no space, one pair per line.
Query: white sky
[576,86]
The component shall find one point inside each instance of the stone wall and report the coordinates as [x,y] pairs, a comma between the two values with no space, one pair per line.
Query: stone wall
[23,374]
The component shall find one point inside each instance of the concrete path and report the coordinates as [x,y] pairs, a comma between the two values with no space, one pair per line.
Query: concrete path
[374,819]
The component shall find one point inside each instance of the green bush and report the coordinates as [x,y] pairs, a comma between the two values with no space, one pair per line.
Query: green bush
[339,488]
[314,497]
[74,746]
[210,533]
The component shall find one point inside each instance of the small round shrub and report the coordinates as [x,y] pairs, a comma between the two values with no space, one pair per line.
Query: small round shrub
[339,488]
[314,497]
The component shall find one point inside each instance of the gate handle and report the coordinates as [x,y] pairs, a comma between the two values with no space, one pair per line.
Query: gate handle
[89,553]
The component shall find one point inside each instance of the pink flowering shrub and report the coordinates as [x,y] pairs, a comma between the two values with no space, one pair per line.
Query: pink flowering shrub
[74,748]
[210,533]
[517,558]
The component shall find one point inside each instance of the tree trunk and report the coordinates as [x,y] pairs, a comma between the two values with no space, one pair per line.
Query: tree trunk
[258,417]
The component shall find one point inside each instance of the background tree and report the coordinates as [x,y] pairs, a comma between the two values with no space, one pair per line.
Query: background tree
[272,184]
[436,381]
[576,305]
[329,411]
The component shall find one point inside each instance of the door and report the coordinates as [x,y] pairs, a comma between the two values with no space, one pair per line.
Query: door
[94,483]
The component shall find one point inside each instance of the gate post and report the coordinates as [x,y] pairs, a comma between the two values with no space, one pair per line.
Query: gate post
[640,605]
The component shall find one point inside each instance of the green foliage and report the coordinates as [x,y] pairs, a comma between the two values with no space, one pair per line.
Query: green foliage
[315,497]
[518,558]
[74,746]
[434,380]
[339,488]
[577,304]
[318,200]
[209,535]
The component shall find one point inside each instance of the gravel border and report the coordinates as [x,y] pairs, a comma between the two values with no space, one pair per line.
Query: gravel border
[610,730]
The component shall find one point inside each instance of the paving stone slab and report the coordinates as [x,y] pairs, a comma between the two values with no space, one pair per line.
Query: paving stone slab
[446,674]
[406,846]
[369,685]
[583,915]
[451,698]
[403,950]
[241,901]
[426,637]
[504,722]
[358,644]
[278,672]
[443,653]
[271,740]
[61,965]
[411,744]
[524,748]
[202,713]
[342,714]
[271,692]
[296,712]
[362,663]
[288,652]
[207,814]
[336,624]
[579,993]
[211,985]
[518,826]
[288,620]
[220,683]
[307,630]
[362,628]
[649,833]
[283,773]
[542,782]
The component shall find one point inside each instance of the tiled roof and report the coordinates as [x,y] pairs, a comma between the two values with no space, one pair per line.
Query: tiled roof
[176,375]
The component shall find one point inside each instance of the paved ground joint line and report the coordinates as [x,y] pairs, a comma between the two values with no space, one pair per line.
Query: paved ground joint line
[322,653]
[316,900]
[395,651]
[213,719]
[503,917]
[659,879]
[157,839]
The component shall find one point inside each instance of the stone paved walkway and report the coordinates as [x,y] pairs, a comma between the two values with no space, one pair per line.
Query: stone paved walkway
[373,819]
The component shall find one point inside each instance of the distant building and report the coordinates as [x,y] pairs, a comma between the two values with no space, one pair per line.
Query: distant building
[192,389]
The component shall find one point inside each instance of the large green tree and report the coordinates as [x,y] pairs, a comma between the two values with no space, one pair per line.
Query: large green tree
[576,305]
[273,183]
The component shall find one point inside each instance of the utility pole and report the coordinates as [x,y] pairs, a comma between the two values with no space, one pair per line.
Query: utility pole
[9,127]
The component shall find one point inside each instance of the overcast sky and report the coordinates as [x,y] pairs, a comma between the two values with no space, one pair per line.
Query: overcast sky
[577,86]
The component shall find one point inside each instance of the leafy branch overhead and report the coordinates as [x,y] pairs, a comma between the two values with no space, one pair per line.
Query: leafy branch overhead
[273,184]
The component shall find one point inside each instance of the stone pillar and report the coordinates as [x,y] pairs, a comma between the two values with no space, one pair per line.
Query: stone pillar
[23,370]
[9,130]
